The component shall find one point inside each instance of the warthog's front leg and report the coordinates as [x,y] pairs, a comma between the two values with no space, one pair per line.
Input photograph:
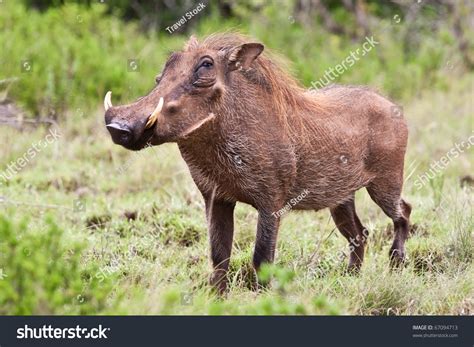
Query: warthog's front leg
[267,231]
[220,216]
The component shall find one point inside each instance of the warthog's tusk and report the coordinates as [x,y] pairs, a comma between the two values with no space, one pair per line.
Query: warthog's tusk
[154,116]
[108,100]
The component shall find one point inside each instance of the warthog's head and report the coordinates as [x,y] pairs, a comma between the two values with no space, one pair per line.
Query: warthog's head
[191,82]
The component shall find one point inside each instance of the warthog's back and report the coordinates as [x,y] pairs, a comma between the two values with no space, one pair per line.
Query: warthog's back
[359,136]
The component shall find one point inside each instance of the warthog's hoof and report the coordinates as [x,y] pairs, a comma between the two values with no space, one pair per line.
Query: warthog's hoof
[397,258]
[218,281]
[353,268]
[259,286]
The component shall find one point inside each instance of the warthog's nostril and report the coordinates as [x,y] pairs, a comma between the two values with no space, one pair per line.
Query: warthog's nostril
[121,134]
[117,126]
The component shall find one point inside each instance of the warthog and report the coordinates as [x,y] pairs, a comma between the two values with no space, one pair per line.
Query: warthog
[250,133]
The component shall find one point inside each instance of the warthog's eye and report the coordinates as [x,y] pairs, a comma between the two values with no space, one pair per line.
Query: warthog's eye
[204,74]
[206,62]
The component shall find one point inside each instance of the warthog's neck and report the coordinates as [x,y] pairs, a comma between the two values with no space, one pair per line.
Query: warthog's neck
[244,158]
[220,161]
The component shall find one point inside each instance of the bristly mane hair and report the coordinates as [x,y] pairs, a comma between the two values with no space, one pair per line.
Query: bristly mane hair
[287,92]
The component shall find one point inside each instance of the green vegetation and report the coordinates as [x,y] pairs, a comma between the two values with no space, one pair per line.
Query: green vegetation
[74,53]
[44,275]
[90,228]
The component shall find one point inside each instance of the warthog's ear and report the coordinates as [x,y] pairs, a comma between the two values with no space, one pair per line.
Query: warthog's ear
[243,55]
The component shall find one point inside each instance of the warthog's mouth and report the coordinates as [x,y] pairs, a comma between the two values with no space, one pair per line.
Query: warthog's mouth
[132,137]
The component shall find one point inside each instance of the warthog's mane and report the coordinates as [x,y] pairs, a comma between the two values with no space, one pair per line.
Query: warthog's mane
[269,70]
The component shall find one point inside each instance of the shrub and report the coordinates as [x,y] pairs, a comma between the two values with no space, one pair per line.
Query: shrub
[41,275]
[68,56]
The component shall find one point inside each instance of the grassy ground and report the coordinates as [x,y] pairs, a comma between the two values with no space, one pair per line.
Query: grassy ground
[141,224]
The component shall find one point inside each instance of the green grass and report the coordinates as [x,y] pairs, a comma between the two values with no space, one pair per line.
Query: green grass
[135,220]
[142,230]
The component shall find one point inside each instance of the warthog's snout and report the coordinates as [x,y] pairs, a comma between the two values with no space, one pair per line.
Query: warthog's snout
[121,133]
[131,126]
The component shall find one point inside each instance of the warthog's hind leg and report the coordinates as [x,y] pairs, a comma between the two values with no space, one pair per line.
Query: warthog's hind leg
[386,193]
[349,225]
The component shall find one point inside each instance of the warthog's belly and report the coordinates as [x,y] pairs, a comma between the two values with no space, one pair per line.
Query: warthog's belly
[328,184]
